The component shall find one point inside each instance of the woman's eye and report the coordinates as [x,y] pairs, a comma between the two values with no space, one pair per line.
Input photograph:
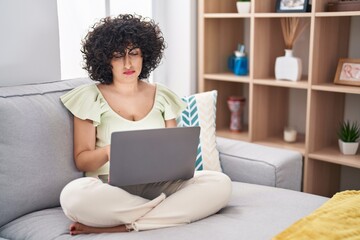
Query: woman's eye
[118,55]
[133,53]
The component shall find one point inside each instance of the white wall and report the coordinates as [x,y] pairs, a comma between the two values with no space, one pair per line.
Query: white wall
[29,42]
[75,19]
[177,20]
[140,7]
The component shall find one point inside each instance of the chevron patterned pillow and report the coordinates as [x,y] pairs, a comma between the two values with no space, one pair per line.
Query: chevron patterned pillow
[201,111]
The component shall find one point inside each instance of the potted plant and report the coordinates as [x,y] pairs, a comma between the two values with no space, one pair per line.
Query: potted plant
[349,134]
[243,6]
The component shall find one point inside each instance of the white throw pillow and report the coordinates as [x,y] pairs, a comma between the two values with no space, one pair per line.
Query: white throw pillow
[201,111]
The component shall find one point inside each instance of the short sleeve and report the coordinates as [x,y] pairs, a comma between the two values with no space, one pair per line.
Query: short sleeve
[85,102]
[169,103]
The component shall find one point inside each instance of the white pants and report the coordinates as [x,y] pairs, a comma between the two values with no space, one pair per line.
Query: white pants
[91,202]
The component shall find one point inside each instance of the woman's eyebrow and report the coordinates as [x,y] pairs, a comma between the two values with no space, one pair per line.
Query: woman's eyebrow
[132,48]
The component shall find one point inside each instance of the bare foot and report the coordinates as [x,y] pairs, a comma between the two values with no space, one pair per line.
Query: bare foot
[78,228]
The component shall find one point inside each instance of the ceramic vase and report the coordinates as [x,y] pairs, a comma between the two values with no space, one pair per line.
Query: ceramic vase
[348,148]
[243,7]
[288,67]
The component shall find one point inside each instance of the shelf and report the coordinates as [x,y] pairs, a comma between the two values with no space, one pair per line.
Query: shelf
[278,142]
[227,15]
[281,15]
[333,155]
[314,105]
[337,14]
[226,133]
[330,87]
[228,77]
[303,84]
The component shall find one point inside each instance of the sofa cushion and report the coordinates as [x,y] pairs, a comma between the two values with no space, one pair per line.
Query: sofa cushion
[36,155]
[258,164]
[254,212]
[201,111]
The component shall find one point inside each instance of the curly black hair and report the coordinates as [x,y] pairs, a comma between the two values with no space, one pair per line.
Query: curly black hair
[111,35]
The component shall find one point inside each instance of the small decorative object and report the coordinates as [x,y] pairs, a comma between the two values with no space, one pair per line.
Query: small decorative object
[289,67]
[238,62]
[343,5]
[349,134]
[243,6]
[348,72]
[290,135]
[291,5]
[236,106]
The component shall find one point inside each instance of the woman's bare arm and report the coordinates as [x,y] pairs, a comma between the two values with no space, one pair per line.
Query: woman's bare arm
[87,158]
[170,123]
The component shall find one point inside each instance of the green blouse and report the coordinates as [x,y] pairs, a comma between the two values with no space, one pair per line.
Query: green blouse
[87,102]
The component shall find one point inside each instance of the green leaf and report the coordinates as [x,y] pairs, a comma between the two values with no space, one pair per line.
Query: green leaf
[349,131]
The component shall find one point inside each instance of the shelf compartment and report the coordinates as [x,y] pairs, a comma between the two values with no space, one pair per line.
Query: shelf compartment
[321,8]
[225,90]
[332,154]
[275,108]
[226,133]
[219,49]
[227,76]
[279,142]
[223,6]
[326,111]
[268,6]
[331,43]
[269,42]
[321,178]
[261,6]
[302,84]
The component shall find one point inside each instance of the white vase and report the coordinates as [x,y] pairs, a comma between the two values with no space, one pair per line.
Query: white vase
[348,148]
[288,67]
[243,7]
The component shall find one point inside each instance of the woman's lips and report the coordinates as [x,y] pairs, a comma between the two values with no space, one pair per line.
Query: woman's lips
[129,72]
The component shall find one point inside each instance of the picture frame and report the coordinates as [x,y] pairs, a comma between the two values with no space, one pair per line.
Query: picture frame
[291,5]
[348,72]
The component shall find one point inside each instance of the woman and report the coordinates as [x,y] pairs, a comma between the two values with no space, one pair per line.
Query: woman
[120,53]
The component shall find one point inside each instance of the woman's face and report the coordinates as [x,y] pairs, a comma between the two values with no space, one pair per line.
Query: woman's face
[127,66]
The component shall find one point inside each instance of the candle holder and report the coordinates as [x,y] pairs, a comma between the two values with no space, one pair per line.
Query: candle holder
[236,106]
[290,135]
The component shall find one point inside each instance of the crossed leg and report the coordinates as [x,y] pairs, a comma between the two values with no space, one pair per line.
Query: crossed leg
[96,207]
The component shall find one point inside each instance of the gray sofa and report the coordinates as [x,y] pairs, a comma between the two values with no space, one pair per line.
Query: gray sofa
[36,162]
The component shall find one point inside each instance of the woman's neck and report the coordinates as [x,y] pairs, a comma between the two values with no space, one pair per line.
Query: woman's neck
[126,87]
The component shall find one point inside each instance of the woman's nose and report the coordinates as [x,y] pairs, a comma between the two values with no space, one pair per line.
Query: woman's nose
[127,61]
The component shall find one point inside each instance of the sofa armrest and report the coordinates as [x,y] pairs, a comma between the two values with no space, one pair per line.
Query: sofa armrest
[253,163]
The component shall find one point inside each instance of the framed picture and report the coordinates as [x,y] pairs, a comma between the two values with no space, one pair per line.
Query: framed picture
[291,5]
[348,72]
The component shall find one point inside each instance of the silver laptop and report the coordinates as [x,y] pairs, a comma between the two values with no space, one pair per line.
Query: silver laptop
[153,155]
